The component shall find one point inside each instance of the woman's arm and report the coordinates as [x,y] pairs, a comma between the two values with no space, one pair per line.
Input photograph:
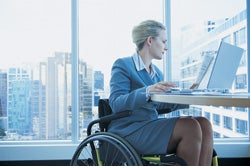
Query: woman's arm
[122,97]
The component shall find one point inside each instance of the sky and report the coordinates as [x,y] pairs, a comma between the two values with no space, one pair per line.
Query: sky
[32,30]
[191,11]
[109,29]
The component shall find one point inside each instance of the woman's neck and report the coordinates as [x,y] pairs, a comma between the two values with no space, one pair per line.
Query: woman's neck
[146,59]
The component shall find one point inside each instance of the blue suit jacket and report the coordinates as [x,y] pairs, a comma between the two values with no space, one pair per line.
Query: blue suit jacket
[128,92]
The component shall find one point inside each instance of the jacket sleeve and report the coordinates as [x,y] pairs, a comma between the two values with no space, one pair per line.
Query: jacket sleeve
[121,97]
[172,106]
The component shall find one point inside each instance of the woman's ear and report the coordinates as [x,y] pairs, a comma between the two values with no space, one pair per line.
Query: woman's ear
[149,40]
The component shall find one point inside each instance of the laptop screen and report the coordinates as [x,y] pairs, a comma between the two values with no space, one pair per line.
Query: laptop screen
[225,66]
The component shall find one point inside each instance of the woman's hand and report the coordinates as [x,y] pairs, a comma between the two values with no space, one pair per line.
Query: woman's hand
[161,86]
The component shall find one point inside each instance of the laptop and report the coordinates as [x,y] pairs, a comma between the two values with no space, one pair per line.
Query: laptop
[218,74]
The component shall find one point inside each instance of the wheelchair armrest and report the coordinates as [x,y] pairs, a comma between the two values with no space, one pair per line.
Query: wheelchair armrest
[108,118]
[114,116]
[164,111]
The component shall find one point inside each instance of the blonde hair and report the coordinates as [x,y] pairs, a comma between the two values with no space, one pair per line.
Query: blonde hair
[145,29]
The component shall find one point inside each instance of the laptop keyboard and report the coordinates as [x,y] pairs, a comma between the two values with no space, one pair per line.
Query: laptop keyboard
[196,91]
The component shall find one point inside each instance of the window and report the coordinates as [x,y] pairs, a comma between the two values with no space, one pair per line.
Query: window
[106,37]
[35,73]
[197,33]
[240,36]
[241,126]
[36,91]
[216,119]
[227,121]
[240,81]
[192,37]
[207,115]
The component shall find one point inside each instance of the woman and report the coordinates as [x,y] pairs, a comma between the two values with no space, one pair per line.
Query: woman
[132,80]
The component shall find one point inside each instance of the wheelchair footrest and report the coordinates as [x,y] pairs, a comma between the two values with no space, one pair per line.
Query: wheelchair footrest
[172,158]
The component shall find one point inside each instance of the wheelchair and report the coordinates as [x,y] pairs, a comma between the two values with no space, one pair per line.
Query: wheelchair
[102,148]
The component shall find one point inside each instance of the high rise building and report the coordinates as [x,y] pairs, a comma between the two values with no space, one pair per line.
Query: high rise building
[58,96]
[98,86]
[3,93]
[85,96]
[18,94]
[98,80]
[3,101]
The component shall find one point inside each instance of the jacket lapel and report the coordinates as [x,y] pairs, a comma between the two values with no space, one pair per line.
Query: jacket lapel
[145,77]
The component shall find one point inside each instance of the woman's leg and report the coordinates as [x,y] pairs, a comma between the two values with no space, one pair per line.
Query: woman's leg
[207,141]
[186,140]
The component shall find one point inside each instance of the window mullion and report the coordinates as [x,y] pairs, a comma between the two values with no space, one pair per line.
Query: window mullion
[75,82]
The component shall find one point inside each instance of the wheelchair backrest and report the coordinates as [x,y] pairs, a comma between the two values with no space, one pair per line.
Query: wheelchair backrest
[103,110]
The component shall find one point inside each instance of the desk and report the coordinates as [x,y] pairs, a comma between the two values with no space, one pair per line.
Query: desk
[231,100]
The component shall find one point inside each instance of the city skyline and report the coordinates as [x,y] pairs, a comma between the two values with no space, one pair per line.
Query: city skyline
[103,58]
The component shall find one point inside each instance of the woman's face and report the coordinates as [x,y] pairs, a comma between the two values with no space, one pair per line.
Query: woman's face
[158,46]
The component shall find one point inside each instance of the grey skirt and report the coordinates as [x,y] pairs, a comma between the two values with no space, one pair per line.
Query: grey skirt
[153,138]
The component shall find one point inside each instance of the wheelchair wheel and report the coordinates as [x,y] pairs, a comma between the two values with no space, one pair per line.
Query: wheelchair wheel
[105,149]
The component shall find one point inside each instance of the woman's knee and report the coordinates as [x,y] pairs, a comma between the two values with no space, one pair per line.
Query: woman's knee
[189,127]
[186,130]
[206,126]
[204,123]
